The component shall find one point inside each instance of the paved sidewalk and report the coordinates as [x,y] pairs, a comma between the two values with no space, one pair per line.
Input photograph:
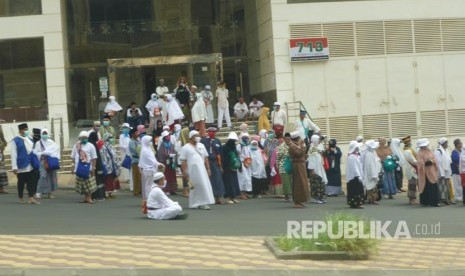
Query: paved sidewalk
[211,255]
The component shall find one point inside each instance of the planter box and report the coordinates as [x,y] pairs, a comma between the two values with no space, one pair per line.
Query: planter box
[312,255]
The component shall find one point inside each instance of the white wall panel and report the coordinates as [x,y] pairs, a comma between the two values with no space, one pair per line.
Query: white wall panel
[401,84]
[341,88]
[309,87]
[430,82]
[455,81]
[373,90]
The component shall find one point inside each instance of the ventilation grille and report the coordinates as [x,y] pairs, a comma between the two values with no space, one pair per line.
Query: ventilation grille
[456,121]
[340,39]
[398,37]
[321,123]
[433,123]
[404,124]
[343,128]
[375,126]
[370,38]
[427,36]
[453,34]
[306,30]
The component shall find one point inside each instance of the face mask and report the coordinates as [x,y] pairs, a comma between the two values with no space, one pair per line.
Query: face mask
[106,123]
[245,140]
[112,140]
[154,99]
[270,136]
[44,136]
[197,139]
[26,133]
[84,141]
[253,147]
[125,131]
[211,135]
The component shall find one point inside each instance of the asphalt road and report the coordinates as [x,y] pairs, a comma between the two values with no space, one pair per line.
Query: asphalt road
[255,217]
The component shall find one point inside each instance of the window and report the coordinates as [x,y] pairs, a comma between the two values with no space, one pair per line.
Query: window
[20,7]
[23,89]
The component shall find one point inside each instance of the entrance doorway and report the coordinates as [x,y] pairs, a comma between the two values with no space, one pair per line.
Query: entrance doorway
[135,79]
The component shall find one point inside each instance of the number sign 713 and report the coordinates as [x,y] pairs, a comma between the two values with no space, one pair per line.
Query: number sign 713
[317,47]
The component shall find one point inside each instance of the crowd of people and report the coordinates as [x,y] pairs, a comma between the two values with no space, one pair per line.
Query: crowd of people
[300,165]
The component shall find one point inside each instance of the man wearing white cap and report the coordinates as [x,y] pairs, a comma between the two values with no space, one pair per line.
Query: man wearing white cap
[255,108]
[207,96]
[278,119]
[196,168]
[444,161]
[159,206]
[85,152]
[371,171]
[223,105]
[241,110]
[199,114]
[355,191]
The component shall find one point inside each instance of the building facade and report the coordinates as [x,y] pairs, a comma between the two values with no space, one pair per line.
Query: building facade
[394,66]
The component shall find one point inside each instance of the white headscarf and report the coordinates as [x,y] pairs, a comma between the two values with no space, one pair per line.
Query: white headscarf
[147,158]
[50,147]
[112,105]
[395,147]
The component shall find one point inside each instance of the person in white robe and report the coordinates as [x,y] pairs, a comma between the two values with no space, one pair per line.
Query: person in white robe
[148,165]
[259,177]
[361,148]
[255,108]
[112,109]
[196,169]
[355,191]
[159,206]
[241,110]
[371,171]
[244,175]
[318,178]
[199,114]
[48,178]
[263,137]
[154,108]
[124,139]
[161,88]
[208,97]
[223,105]
[398,156]
[304,125]
[410,170]
[173,111]
[444,161]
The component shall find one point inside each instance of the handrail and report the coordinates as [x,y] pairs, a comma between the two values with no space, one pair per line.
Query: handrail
[301,107]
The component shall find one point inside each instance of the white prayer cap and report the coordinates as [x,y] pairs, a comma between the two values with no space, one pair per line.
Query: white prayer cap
[315,139]
[166,128]
[126,125]
[372,144]
[157,176]
[232,136]
[169,96]
[208,87]
[165,133]
[84,134]
[353,146]
[295,134]
[423,142]
[193,133]
[359,138]
[277,104]
[442,140]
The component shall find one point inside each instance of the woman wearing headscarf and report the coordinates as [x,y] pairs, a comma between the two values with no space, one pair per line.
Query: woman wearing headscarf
[318,178]
[173,113]
[333,153]
[231,164]
[399,158]
[276,182]
[263,122]
[258,169]
[48,178]
[124,139]
[282,153]
[154,108]
[371,171]
[245,174]
[156,134]
[112,109]
[384,153]
[110,165]
[428,173]
[99,194]
[148,165]
[165,155]
[355,191]
[262,134]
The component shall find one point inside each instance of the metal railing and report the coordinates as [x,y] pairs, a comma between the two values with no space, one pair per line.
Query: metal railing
[293,110]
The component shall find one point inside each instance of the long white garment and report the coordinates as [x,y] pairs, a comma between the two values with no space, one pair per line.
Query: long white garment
[278,117]
[199,110]
[223,112]
[315,162]
[244,177]
[304,125]
[241,110]
[395,148]
[202,193]
[165,207]
[46,147]
[222,95]
[258,164]
[353,167]
[174,111]
[112,105]
[208,98]
[161,90]
[443,159]
[152,104]
[124,150]
[371,169]
[255,109]
[408,168]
